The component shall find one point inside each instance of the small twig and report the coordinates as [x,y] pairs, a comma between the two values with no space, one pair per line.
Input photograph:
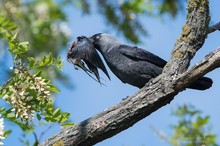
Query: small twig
[46,130]
[36,139]
[7,82]
[214,27]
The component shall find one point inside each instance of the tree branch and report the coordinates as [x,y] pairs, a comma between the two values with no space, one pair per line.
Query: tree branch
[157,93]
[209,63]
[132,109]
[214,27]
[191,40]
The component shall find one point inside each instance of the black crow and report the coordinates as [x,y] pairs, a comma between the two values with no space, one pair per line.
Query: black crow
[134,65]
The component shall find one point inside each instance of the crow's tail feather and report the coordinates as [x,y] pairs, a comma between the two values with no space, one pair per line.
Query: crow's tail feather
[202,84]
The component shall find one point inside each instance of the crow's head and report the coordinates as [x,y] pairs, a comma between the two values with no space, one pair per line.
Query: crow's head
[103,41]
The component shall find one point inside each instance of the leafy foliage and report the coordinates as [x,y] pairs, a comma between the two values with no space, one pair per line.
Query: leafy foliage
[124,15]
[170,6]
[192,129]
[46,60]
[43,25]
[5,27]
[28,93]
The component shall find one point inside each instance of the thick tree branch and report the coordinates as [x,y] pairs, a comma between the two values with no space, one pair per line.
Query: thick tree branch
[133,108]
[209,63]
[156,93]
[191,40]
[214,27]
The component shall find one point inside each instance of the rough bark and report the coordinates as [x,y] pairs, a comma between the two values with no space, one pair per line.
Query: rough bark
[157,93]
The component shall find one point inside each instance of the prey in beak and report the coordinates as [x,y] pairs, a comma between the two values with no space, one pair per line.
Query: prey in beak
[83,52]
[76,61]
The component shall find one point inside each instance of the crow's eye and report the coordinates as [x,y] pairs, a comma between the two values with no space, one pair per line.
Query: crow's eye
[97,37]
[79,39]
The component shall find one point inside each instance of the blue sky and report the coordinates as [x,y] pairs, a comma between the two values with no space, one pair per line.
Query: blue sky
[88,98]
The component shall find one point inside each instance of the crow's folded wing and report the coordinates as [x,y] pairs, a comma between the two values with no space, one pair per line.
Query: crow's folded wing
[137,54]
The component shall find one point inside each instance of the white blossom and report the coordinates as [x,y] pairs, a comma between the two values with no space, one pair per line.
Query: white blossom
[42,11]
[5,97]
[64,28]
[19,94]
[1,130]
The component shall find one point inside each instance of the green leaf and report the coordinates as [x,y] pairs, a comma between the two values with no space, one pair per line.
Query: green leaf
[10,115]
[68,124]
[52,88]
[5,23]
[38,117]
[23,47]
[2,109]
[56,113]
[201,121]
[50,58]
[7,132]
[14,37]
[31,63]
[64,116]
[50,119]
[17,48]
[11,45]
[38,74]
[11,26]
[23,44]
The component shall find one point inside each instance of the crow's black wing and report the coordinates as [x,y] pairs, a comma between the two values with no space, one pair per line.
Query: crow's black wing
[136,53]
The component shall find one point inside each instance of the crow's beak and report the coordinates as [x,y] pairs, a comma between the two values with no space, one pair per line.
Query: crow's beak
[91,39]
[79,38]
